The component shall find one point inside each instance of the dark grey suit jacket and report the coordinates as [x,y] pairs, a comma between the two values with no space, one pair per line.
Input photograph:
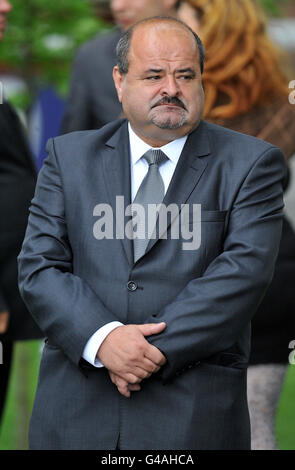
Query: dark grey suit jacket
[93,100]
[74,284]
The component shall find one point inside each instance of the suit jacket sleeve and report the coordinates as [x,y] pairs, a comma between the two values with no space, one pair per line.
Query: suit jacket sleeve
[63,305]
[211,312]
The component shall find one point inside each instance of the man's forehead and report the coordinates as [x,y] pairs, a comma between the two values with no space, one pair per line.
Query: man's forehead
[169,43]
[155,29]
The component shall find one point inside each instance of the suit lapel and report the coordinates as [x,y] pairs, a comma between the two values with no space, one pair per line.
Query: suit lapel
[189,169]
[117,177]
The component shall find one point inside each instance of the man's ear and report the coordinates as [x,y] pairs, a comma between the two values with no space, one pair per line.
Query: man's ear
[118,80]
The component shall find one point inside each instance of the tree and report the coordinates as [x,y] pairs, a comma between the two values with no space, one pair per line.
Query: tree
[41,39]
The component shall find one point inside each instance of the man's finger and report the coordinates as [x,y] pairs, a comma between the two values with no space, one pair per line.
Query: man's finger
[122,385]
[150,366]
[124,391]
[141,373]
[149,329]
[132,379]
[134,387]
[155,355]
[113,377]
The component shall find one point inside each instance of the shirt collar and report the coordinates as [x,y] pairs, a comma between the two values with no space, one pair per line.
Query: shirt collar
[138,147]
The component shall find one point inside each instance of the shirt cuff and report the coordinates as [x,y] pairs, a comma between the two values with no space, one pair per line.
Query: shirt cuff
[94,342]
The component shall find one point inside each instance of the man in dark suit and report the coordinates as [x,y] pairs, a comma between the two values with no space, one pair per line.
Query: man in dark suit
[93,100]
[148,337]
[17,184]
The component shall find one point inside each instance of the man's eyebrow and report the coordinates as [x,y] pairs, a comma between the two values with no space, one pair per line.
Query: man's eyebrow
[154,71]
[184,70]
[187,69]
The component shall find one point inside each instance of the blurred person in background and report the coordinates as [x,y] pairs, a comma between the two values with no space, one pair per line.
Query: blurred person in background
[102,10]
[93,100]
[17,183]
[247,90]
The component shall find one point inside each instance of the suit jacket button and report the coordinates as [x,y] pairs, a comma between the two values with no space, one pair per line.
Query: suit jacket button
[132,286]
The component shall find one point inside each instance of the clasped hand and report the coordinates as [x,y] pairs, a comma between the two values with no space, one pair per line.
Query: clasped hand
[129,357]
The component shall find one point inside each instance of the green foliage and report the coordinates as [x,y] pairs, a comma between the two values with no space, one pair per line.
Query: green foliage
[42,37]
[285,425]
[21,392]
[20,100]
[274,7]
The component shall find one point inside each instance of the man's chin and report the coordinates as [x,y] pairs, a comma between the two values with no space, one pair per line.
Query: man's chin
[169,117]
[169,123]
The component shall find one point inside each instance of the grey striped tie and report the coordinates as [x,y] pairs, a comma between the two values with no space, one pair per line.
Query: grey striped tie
[151,191]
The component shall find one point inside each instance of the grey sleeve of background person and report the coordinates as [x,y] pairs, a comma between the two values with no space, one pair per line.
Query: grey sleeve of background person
[77,114]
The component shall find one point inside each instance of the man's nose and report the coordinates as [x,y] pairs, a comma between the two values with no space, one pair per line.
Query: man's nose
[170,86]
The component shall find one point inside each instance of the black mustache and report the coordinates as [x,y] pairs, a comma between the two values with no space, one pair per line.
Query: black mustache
[170,100]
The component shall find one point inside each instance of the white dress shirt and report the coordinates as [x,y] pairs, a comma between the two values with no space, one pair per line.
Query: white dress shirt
[139,168]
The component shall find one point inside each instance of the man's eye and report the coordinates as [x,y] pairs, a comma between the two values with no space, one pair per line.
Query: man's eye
[186,77]
[153,77]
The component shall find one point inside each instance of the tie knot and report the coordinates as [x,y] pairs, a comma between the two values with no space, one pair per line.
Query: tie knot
[155,157]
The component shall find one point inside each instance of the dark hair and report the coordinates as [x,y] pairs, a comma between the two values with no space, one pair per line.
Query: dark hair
[124,42]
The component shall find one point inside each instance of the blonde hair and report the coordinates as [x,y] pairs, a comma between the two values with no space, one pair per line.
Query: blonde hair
[242,67]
